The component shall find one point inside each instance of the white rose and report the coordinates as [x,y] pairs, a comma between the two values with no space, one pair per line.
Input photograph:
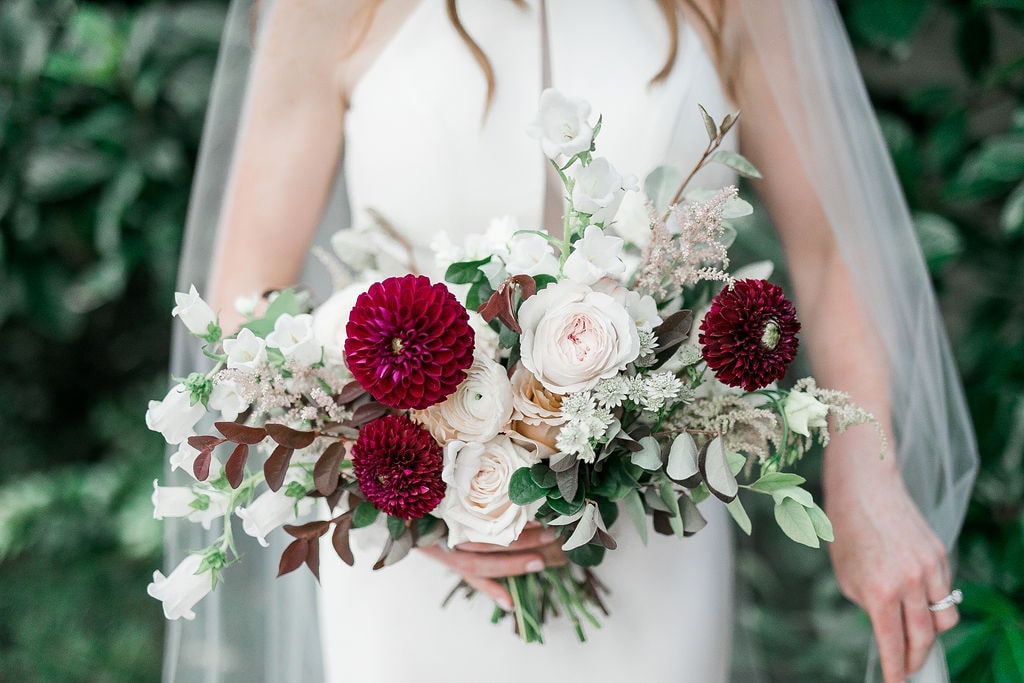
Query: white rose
[479,409]
[174,417]
[293,335]
[598,190]
[530,254]
[246,350]
[642,308]
[194,312]
[573,337]
[330,319]
[270,510]
[180,591]
[476,506]
[561,125]
[803,412]
[594,256]
[226,398]
[178,501]
[485,339]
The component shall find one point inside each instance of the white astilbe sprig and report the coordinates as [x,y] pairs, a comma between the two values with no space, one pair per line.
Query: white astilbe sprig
[842,409]
[744,428]
[692,254]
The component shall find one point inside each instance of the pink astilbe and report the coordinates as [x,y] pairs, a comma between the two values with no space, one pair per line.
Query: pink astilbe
[676,259]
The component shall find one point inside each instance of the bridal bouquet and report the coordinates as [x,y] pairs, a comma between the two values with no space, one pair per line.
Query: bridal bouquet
[558,378]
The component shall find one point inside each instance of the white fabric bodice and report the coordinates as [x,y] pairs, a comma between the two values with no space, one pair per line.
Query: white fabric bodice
[419,150]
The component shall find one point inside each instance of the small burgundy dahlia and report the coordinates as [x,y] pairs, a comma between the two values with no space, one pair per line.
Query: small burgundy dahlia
[408,342]
[748,337]
[398,465]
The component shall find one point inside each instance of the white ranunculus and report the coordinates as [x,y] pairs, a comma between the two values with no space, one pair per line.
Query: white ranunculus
[293,335]
[531,254]
[174,417]
[598,190]
[561,125]
[330,319]
[476,506]
[180,591]
[479,409]
[246,350]
[573,337]
[270,510]
[178,501]
[194,312]
[594,256]
[641,307]
[226,398]
[485,339]
[803,412]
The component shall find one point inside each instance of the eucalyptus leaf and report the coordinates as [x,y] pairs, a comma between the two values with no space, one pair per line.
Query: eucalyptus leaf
[650,457]
[637,514]
[739,515]
[661,185]
[682,458]
[668,496]
[736,162]
[586,528]
[714,467]
[693,520]
[709,123]
[795,522]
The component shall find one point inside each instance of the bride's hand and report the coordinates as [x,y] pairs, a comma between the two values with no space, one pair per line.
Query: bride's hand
[889,562]
[480,563]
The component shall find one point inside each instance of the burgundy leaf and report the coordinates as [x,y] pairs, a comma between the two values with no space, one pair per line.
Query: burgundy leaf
[672,332]
[350,392]
[276,466]
[501,304]
[309,530]
[240,433]
[292,438]
[204,443]
[368,412]
[327,469]
[340,540]
[661,523]
[332,500]
[201,466]
[234,468]
[293,556]
[313,557]
[606,539]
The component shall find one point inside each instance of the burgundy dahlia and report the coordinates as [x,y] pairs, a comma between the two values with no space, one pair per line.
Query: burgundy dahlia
[398,465]
[408,342]
[748,337]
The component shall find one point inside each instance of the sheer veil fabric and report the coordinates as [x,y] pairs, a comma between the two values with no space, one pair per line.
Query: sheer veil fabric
[256,627]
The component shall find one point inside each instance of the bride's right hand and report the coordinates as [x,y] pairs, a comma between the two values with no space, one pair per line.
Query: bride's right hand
[480,563]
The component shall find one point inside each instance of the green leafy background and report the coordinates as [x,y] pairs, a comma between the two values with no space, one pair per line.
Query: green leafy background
[101,107]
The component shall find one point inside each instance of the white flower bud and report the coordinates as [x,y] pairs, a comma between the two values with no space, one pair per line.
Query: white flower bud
[598,190]
[174,417]
[293,335]
[194,312]
[561,125]
[180,591]
[270,510]
[246,350]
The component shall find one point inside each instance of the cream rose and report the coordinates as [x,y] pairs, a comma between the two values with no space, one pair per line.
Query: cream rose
[476,506]
[573,337]
[479,409]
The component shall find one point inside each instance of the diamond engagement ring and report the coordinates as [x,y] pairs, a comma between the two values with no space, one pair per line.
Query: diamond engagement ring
[954,598]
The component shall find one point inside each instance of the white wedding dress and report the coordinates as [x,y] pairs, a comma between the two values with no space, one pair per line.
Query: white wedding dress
[419,152]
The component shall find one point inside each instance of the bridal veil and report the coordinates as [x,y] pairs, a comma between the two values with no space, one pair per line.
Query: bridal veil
[256,627]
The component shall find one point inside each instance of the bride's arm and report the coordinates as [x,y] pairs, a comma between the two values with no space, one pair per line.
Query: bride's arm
[287,151]
[886,558]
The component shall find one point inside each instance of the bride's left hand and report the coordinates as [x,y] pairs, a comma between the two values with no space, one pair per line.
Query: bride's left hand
[890,563]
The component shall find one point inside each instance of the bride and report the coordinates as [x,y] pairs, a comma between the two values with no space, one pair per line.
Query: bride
[412,100]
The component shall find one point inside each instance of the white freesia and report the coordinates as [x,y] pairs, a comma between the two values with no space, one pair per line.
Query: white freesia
[194,312]
[201,507]
[226,398]
[180,591]
[594,256]
[485,339]
[804,412]
[479,409]
[293,335]
[561,125]
[530,254]
[598,190]
[270,510]
[330,319]
[476,506]
[574,337]
[246,350]
[174,417]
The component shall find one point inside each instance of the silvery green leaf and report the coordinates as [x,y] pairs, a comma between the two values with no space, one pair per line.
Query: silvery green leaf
[1012,216]
[736,162]
[822,525]
[709,123]
[796,523]
[735,207]
[585,530]
[739,515]
[728,235]
[635,509]
[682,458]
[777,480]
[654,501]
[714,467]
[650,457]
[758,270]
[494,271]
[796,493]
[668,496]
[562,520]
[737,461]
[693,521]
[660,186]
